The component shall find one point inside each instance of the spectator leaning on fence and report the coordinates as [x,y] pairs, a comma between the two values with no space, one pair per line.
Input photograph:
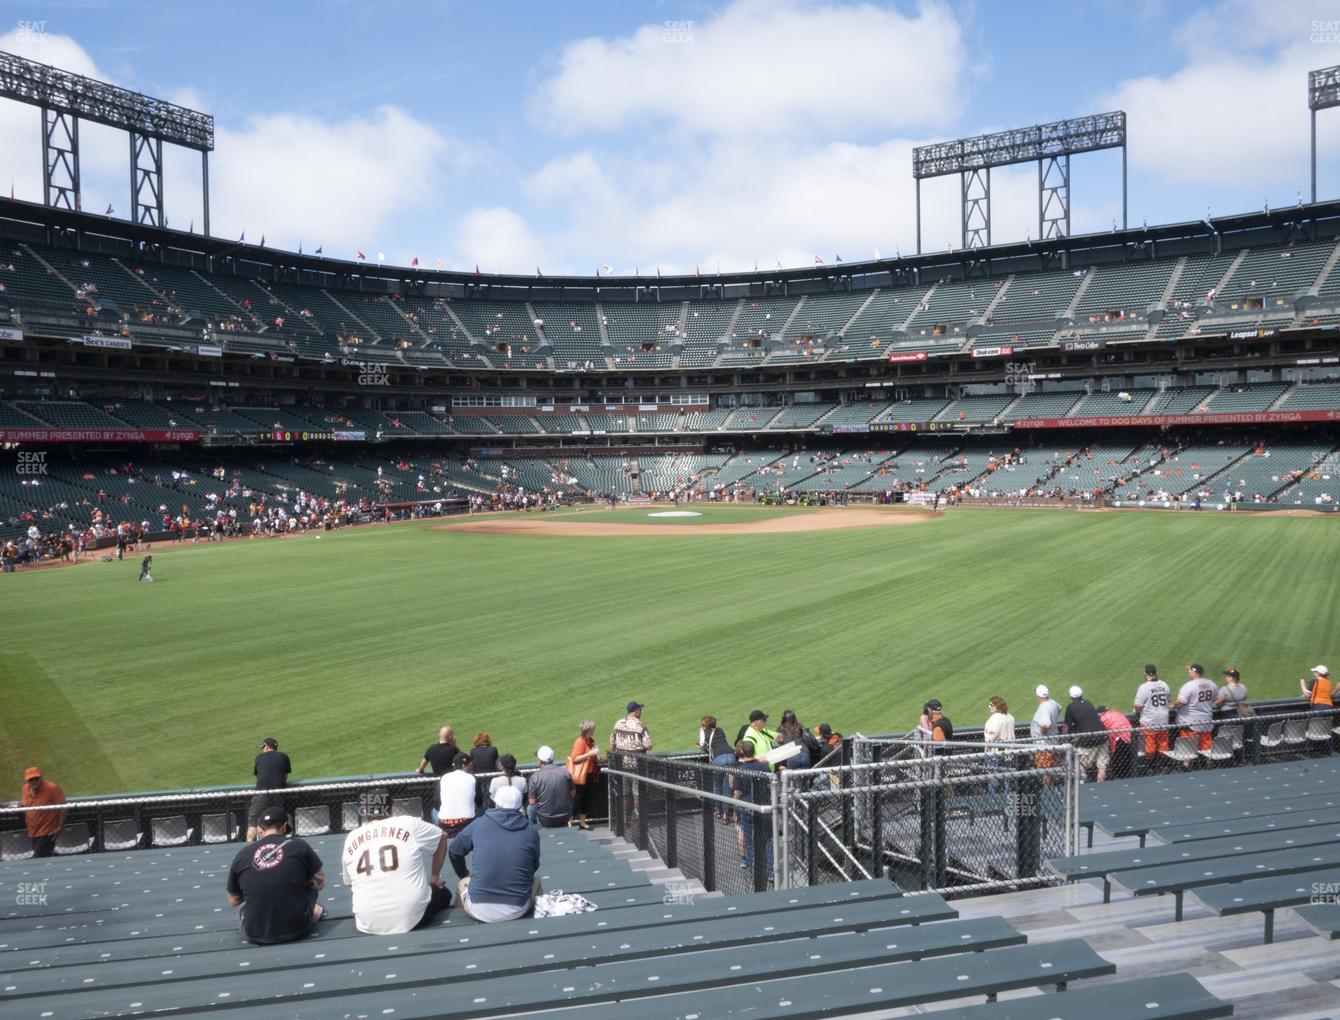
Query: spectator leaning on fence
[999,728]
[942,730]
[712,740]
[1087,733]
[751,790]
[629,735]
[757,735]
[43,826]
[1043,728]
[583,766]
[1319,692]
[483,754]
[1153,700]
[271,769]
[1119,741]
[1195,709]
[457,791]
[1233,695]
[440,757]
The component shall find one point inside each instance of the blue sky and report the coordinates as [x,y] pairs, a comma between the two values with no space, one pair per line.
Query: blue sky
[679,133]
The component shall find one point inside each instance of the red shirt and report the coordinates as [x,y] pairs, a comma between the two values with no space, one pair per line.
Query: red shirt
[43,823]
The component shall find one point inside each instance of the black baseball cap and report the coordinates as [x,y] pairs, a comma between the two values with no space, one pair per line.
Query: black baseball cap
[1197,668]
[633,706]
[463,759]
[1151,669]
[1231,672]
[272,818]
[758,714]
[270,742]
[825,729]
[934,705]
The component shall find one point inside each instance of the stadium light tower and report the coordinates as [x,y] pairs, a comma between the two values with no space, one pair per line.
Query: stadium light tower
[1051,145]
[1323,92]
[65,99]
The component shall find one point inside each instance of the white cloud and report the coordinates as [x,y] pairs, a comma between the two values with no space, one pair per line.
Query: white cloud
[498,240]
[290,177]
[1230,126]
[764,66]
[339,183]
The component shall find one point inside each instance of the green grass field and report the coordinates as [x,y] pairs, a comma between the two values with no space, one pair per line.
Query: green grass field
[353,649]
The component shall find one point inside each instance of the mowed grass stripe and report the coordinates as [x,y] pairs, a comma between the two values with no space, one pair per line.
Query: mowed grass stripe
[354,648]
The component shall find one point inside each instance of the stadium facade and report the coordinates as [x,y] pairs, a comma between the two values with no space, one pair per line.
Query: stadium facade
[1179,353]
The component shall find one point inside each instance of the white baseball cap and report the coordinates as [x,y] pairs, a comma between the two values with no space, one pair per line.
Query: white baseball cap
[1076,691]
[1042,691]
[1322,670]
[545,753]
[508,798]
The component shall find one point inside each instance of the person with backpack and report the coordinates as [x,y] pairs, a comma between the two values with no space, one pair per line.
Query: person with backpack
[712,741]
[790,731]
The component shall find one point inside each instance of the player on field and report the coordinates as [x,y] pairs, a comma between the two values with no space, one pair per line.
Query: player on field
[391,865]
[1195,708]
[1153,698]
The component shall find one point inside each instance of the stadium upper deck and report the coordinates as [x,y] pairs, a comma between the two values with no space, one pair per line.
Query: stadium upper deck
[1261,282]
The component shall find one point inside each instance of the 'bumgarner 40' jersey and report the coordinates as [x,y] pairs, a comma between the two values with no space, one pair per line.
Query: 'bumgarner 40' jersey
[386,864]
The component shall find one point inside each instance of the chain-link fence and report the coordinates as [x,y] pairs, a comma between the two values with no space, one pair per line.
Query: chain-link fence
[224,815]
[714,824]
[966,819]
[1252,735]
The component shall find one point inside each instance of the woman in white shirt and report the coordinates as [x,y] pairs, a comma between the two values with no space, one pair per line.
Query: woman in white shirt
[999,728]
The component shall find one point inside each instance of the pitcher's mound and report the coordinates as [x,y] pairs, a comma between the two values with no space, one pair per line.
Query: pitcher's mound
[587,524]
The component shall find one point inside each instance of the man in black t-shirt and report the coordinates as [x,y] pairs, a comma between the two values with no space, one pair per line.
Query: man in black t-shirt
[1087,733]
[441,759]
[271,770]
[942,730]
[274,882]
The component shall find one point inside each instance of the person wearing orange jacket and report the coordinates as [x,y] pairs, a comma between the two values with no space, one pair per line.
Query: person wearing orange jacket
[43,826]
[1319,693]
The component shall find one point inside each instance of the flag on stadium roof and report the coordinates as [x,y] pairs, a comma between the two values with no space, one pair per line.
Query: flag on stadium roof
[242,238]
[537,272]
[360,256]
[414,262]
[818,261]
[318,249]
[476,268]
[837,258]
[381,257]
[607,269]
[697,272]
[262,240]
[109,209]
[440,263]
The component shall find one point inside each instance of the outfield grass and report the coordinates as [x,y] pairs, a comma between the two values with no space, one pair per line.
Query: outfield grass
[354,648]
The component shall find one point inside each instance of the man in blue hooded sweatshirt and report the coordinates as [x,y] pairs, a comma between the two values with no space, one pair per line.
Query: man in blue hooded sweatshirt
[506,849]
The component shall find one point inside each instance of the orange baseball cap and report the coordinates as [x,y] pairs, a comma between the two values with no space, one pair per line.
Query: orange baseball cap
[32,773]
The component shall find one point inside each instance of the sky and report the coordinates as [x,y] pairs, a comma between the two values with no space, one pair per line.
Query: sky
[620,137]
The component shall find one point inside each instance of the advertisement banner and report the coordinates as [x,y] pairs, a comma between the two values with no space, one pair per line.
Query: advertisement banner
[14,335]
[897,356]
[209,351]
[99,436]
[116,343]
[1244,418]
[992,352]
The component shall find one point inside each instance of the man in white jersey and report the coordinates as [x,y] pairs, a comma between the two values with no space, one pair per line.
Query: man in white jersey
[1195,708]
[1153,698]
[391,864]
